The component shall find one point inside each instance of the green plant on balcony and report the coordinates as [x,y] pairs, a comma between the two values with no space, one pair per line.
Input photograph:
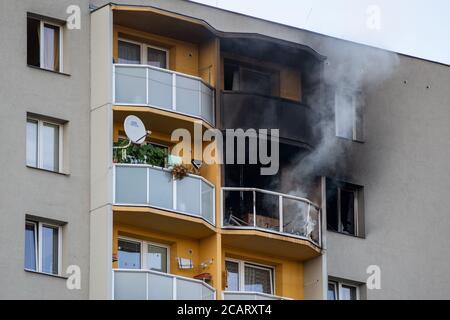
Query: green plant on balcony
[139,154]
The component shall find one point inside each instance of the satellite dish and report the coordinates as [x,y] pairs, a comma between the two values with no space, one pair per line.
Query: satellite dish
[135,129]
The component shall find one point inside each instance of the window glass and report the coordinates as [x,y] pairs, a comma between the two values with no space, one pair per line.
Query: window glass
[157,258]
[49,249]
[348,293]
[129,53]
[51,47]
[32,143]
[129,254]
[348,211]
[332,294]
[33,46]
[257,279]
[156,57]
[50,147]
[232,275]
[30,246]
[344,114]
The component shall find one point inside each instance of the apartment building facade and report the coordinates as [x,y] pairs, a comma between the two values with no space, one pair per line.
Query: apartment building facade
[360,183]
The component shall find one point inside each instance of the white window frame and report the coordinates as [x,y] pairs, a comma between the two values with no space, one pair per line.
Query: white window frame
[41,44]
[338,288]
[40,143]
[38,243]
[144,51]
[241,273]
[144,251]
[353,94]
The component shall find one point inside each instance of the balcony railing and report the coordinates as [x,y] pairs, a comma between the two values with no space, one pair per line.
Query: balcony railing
[131,284]
[251,208]
[246,295]
[143,85]
[144,185]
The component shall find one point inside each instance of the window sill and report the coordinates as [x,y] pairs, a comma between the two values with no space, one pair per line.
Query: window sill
[51,71]
[46,274]
[46,170]
[351,139]
[347,234]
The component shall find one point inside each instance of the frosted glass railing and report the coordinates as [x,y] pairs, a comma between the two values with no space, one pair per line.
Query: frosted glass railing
[143,85]
[144,185]
[129,284]
[252,208]
[245,295]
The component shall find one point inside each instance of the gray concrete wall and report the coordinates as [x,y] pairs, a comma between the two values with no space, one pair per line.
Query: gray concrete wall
[26,190]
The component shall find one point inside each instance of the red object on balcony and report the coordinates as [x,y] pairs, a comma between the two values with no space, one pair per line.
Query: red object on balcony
[203,276]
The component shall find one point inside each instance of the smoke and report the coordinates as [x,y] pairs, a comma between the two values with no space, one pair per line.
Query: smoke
[350,73]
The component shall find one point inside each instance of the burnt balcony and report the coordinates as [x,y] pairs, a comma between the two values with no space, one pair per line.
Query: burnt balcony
[295,120]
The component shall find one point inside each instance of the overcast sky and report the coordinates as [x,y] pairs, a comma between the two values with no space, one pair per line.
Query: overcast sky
[418,28]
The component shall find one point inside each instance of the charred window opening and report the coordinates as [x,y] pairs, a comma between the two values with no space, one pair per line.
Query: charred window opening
[344,203]
[249,78]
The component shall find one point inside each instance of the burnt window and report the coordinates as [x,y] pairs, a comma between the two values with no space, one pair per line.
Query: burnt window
[344,208]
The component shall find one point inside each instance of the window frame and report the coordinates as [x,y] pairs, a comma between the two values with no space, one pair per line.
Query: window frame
[338,288]
[144,250]
[42,23]
[358,205]
[355,94]
[144,52]
[241,273]
[39,143]
[38,243]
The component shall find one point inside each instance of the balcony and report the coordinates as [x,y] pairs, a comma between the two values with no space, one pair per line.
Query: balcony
[143,85]
[153,285]
[149,186]
[295,120]
[272,212]
[246,295]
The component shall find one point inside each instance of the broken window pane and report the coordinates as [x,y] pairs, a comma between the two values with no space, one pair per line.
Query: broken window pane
[348,211]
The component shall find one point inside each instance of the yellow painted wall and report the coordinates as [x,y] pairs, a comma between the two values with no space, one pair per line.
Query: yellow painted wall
[288,273]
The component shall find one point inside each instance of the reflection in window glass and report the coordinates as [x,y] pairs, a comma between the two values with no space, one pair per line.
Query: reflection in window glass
[50,147]
[232,276]
[332,291]
[257,279]
[157,258]
[50,249]
[129,255]
[348,293]
[30,246]
[32,143]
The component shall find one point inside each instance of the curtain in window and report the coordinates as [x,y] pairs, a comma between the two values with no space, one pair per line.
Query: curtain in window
[156,58]
[129,53]
[51,47]
[257,280]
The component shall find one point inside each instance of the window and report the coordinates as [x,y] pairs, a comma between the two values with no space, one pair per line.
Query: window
[245,276]
[131,52]
[136,254]
[344,208]
[44,44]
[44,144]
[42,247]
[249,78]
[342,291]
[348,114]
